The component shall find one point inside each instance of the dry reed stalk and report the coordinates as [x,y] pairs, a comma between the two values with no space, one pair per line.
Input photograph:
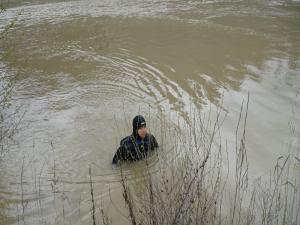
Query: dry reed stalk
[128,199]
[92,195]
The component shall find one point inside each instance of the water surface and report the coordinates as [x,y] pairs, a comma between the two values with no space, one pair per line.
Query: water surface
[84,69]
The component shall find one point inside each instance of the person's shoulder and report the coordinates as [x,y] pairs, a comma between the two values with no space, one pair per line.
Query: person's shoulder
[149,135]
[152,140]
[126,140]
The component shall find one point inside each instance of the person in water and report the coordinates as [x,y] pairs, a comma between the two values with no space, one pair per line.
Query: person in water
[138,144]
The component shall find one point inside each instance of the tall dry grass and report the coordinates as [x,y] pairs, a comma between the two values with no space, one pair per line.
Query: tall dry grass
[198,187]
[194,178]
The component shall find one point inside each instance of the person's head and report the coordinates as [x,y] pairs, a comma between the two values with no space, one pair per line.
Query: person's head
[139,126]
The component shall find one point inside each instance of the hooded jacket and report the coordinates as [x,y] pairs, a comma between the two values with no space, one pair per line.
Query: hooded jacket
[133,147]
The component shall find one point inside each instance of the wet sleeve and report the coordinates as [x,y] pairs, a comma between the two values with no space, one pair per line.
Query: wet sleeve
[154,142]
[118,155]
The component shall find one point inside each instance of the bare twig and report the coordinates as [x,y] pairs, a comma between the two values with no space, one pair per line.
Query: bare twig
[92,195]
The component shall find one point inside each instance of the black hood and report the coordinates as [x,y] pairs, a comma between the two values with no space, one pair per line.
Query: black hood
[137,123]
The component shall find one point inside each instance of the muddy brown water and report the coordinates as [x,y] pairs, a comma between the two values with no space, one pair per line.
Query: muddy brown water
[83,69]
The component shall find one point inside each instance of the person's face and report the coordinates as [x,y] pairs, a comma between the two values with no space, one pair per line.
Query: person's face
[142,132]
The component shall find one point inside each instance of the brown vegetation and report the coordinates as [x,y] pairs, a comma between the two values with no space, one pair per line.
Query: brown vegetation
[194,189]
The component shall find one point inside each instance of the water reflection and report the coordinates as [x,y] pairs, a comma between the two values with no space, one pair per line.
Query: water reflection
[167,60]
